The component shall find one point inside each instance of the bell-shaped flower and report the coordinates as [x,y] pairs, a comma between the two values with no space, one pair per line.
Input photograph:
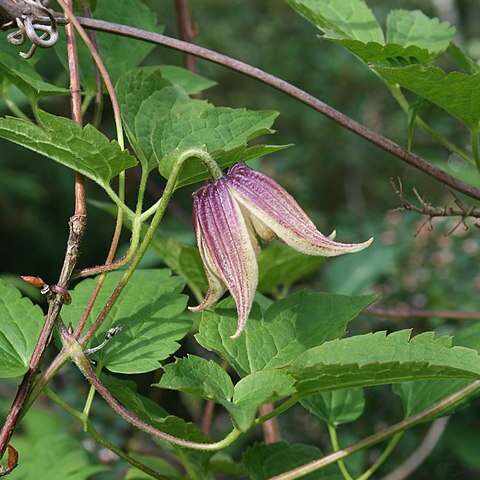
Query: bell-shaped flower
[229,215]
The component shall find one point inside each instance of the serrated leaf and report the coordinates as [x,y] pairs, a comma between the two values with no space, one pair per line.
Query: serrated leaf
[86,150]
[145,96]
[191,82]
[198,376]
[199,124]
[55,457]
[23,75]
[205,378]
[376,358]
[341,18]
[288,328]
[149,310]
[118,53]
[413,27]
[337,407]
[256,389]
[20,325]
[279,265]
[457,93]
[265,461]
[418,395]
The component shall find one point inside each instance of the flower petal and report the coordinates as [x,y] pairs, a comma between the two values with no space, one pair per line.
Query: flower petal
[273,206]
[228,251]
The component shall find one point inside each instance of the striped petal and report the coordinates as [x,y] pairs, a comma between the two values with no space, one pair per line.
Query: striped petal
[276,210]
[226,248]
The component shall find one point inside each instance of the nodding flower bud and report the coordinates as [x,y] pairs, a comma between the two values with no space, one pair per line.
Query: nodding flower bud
[230,214]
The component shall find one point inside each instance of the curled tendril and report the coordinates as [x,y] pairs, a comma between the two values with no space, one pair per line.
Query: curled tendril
[29,27]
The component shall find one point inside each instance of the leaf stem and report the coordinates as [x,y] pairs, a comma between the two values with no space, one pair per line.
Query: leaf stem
[89,401]
[332,431]
[475,153]
[381,459]
[14,108]
[279,410]
[382,435]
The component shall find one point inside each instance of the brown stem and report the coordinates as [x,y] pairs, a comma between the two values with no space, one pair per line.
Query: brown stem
[77,229]
[207,416]
[186,30]
[295,92]
[399,312]
[271,428]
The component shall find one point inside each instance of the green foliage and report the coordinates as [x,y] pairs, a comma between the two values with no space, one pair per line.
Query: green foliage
[55,457]
[208,380]
[376,358]
[118,53]
[149,312]
[287,329]
[336,407]
[265,461]
[191,82]
[457,93]
[20,325]
[85,150]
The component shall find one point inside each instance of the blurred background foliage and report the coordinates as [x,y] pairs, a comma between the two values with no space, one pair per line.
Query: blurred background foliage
[340,179]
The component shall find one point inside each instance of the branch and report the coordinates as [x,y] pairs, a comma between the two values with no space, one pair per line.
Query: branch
[400,312]
[291,90]
[382,435]
[186,30]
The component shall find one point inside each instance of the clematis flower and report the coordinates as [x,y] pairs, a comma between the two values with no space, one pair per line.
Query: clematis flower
[230,214]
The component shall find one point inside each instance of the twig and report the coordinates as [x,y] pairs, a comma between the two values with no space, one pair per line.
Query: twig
[207,416]
[271,428]
[186,30]
[287,88]
[382,435]
[421,453]
[400,312]
[77,229]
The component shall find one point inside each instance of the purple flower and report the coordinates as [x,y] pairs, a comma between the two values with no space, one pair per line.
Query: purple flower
[229,215]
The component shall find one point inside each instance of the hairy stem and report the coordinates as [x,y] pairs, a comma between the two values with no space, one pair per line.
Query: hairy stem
[400,312]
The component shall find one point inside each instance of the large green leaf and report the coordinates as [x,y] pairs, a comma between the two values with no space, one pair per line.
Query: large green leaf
[20,325]
[418,395]
[55,457]
[337,407]
[85,150]
[376,358]
[265,461]
[288,328]
[200,124]
[457,93]
[149,310]
[207,379]
[341,18]
[413,27]
[191,82]
[118,53]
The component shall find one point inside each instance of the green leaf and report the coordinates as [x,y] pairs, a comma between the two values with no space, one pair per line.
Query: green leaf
[462,59]
[149,310]
[337,407]
[199,124]
[265,461]
[85,150]
[418,395]
[457,93]
[376,358]
[191,82]
[20,325]
[145,96]
[288,328]
[118,53]
[281,265]
[207,379]
[55,457]
[413,27]
[256,389]
[22,74]
[341,18]
[198,376]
